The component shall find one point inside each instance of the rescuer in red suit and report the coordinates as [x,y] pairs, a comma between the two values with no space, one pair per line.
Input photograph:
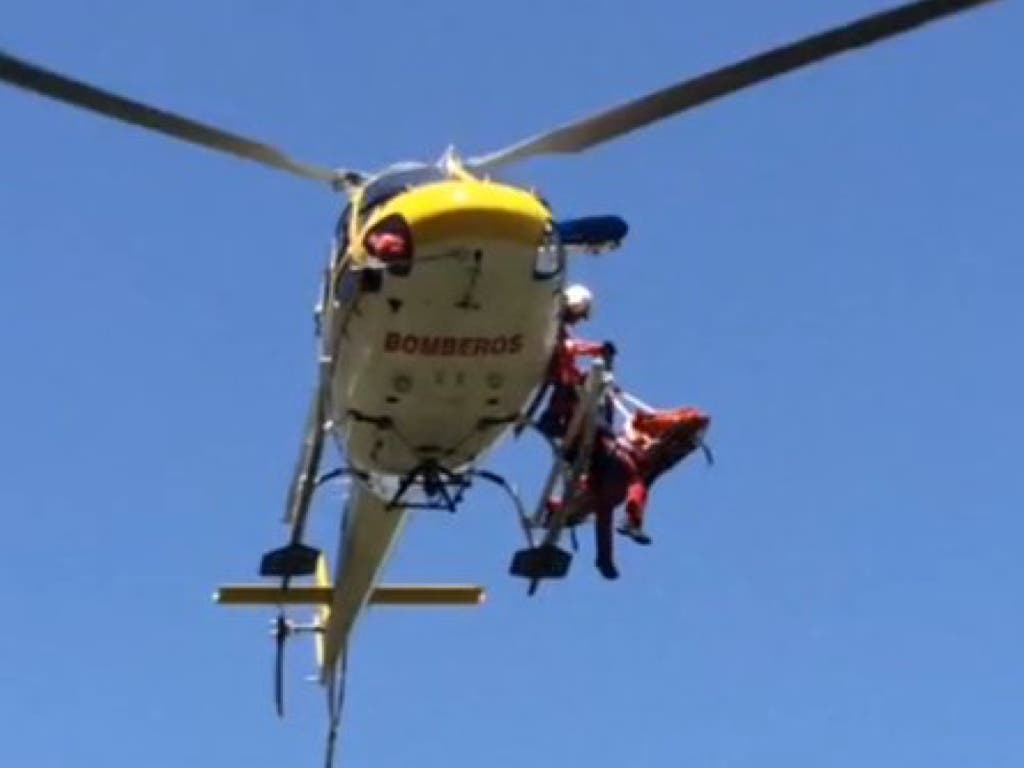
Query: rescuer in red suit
[623,469]
[564,376]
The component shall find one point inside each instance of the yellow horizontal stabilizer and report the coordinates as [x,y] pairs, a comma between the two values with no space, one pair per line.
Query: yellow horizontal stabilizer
[395,594]
[427,594]
[258,594]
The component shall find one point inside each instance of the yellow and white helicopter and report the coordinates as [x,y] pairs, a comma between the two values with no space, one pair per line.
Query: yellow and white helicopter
[438,315]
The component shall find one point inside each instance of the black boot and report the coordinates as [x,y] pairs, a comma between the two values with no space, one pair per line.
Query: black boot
[607,568]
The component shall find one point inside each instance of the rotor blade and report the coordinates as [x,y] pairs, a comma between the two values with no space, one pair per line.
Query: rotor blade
[595,129]
[47,83]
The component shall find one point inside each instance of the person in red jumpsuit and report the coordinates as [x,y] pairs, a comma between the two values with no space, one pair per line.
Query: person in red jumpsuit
[658,441]
[613,471]
[623,469]
[564,376]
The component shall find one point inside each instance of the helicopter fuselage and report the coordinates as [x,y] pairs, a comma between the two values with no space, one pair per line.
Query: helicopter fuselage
[443,313]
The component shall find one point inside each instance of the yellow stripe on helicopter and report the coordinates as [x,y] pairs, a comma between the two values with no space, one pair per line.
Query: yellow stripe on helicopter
[464,209]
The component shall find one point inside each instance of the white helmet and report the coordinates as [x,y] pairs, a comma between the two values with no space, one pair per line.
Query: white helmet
[577,299]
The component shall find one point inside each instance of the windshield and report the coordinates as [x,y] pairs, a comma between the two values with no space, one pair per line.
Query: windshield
[389,184]
[394,182]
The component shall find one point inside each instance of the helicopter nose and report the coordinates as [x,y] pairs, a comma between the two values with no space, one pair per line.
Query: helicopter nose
[474,210]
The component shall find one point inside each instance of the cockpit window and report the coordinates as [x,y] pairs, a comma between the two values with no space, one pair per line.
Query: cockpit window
[395,182]
[388,185]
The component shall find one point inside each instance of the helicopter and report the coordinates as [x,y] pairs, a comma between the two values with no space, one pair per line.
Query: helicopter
[438,312]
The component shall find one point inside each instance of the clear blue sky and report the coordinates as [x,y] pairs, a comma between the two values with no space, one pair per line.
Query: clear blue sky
[830,264]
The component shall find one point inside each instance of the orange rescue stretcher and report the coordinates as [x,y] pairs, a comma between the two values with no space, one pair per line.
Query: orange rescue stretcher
[667,437]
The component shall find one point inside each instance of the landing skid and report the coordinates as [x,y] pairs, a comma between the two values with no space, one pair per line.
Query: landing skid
[546,561]
[295,559]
